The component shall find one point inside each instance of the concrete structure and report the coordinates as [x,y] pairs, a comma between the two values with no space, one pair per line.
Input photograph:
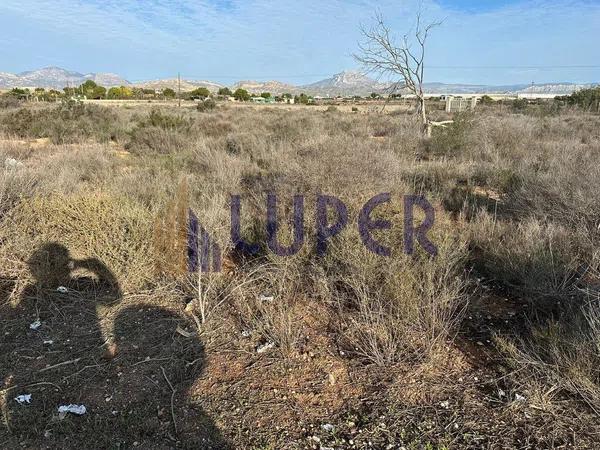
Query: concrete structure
[459,104]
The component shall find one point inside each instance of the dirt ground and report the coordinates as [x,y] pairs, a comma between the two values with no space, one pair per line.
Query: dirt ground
[156,383]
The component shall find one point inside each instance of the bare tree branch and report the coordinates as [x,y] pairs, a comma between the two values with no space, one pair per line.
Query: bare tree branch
[380,53]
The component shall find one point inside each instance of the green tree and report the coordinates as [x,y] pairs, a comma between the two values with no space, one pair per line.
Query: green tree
[486,100]
[225,91]
[169,93]
[588,99]
[266,95]
[200,92]
[120,93]
[88,86]
[92,90]
[302,99]
[114,93]
[241,95]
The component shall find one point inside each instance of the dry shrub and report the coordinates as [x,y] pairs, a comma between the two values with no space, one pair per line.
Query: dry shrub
[152,140]
[8,101]
[170,234]
[66,123]
[530,258]
[15,183]
[560,355]
[206,106]
[269,306]
[403,307]
[112,229]
[452,138]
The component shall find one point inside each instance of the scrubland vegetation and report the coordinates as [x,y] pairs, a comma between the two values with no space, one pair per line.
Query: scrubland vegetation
[493,343]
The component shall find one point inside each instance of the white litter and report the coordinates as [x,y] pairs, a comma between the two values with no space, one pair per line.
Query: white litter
[78,410]
[246,333]
[519,398]
[327,427]
[501,393]
[265,347]
[22,399]
[62,290]
[35,324]
[266,298]
[445,404]
[49,342]
[12,163]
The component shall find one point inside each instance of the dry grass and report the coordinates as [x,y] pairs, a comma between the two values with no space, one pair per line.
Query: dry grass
[516,197]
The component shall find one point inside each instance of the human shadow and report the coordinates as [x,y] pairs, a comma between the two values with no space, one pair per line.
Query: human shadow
[62,344]
[159,357]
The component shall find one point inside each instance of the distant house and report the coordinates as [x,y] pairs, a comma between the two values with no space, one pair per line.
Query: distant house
[262,100]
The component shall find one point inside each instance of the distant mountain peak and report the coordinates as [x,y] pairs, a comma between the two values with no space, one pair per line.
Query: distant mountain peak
[57,78]
[349,82]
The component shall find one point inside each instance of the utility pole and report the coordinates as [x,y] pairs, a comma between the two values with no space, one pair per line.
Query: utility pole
[179,89]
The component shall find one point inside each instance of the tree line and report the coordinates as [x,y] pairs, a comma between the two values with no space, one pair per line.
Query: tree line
[91,90]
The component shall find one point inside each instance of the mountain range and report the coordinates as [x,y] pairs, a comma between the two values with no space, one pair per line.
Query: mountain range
[57,78]
[343,83]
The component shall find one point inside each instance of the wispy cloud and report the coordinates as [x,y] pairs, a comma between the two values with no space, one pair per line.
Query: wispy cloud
[297,41]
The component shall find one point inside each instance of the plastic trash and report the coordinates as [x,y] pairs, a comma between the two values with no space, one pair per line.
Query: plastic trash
[327,427]
[35,324]
[12,163]
[62,290]
[78,410]
[23,398]
[266,298]
[265,347]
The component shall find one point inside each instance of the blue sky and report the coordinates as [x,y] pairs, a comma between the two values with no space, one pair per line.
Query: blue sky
[298,41]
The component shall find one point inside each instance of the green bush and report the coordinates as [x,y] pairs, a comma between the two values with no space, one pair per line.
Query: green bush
[452,138]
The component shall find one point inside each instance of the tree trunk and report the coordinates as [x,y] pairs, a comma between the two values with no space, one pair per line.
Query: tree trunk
[424,122]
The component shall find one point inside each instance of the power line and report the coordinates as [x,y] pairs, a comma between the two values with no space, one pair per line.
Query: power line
[517,67]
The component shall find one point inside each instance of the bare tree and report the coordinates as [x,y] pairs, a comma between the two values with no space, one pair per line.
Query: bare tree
[380,53]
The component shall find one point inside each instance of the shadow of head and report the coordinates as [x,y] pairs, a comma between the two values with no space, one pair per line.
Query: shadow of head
[51,265]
